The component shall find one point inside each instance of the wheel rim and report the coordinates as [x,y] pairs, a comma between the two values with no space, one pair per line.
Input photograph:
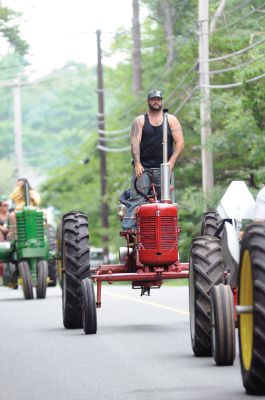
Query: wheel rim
[246,320]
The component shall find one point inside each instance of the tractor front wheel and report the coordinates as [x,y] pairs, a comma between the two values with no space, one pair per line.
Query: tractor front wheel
[27,285]
[251,302]
[89,311]
[206,270]
[223,325]
[42,277]
[76,266]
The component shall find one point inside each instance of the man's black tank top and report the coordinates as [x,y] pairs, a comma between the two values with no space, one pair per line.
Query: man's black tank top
[151,147]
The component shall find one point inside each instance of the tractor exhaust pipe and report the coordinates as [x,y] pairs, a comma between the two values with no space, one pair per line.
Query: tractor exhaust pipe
[26,194]
[165,167]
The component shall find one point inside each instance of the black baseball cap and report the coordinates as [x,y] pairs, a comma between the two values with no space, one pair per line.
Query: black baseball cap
[154,93]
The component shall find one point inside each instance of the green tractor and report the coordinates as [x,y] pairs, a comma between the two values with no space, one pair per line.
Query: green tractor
[26,256]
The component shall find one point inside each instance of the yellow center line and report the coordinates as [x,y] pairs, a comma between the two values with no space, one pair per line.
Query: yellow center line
[148,303]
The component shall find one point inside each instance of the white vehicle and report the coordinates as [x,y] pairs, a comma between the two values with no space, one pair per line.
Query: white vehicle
[97,258]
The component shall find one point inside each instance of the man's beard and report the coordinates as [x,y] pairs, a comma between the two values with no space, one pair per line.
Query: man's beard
[157,107]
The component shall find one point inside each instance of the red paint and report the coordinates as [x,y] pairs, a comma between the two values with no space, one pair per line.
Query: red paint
[157,234]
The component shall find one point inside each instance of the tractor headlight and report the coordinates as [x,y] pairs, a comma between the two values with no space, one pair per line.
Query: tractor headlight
[121,210]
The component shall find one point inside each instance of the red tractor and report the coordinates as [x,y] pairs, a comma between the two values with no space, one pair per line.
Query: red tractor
[150,255]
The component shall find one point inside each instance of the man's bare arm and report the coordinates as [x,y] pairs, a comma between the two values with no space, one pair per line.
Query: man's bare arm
[178,138]
[136,136]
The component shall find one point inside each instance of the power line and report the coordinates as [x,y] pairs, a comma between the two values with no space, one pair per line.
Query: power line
[104,139]
[236,84]
[236,53]
[240,6]
[113,132]
[180,84]
[235,67]
[184,90]
[113,150]
[13,66]
[245,16]
[171,102]
[242,18]
[179,108]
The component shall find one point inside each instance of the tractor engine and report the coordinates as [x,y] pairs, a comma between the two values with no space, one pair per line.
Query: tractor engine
[30,234]
[157,234]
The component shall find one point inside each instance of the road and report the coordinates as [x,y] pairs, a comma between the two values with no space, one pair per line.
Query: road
[141,351]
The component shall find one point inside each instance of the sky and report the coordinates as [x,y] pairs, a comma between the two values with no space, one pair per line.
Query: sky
[62,30]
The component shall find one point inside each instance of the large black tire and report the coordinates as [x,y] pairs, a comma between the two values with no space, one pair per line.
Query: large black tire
[59,253]
[27,285]
[210,223]
[223,325]
[76,265]
[206,270]
[42,278]
[89,310]
[52,269]
[252,294]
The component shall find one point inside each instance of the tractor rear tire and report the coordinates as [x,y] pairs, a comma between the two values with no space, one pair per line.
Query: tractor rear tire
[52,269]
[42,277]
[206,271]
[89,311]
[252,324]
[223,325]
[26,276]
[76,266]
[210,223]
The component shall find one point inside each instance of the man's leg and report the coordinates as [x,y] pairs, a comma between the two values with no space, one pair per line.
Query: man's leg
[135,200]
[156,179]
[2,236]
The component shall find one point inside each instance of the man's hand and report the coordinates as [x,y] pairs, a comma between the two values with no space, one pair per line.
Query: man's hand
[139,169]
[4,229]
[171,164]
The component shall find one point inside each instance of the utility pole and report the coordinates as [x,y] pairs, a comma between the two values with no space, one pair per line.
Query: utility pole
[205,108]
[15,84]
[136,36]
[17,128]
[102,154]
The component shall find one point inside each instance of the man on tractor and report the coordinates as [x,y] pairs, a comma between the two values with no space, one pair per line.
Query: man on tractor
[18,198]
[4,230]
[147,151]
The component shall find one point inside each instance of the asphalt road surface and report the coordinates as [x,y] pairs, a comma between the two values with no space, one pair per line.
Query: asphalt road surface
[141,351]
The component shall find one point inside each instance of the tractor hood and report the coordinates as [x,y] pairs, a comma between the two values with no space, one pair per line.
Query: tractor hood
[237,202]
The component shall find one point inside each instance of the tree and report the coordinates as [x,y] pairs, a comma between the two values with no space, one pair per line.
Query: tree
[10,31]
[136,36]
[217,15]
[169,19]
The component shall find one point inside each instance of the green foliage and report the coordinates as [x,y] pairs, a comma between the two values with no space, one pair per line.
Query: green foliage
[6,176]
[11,32]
